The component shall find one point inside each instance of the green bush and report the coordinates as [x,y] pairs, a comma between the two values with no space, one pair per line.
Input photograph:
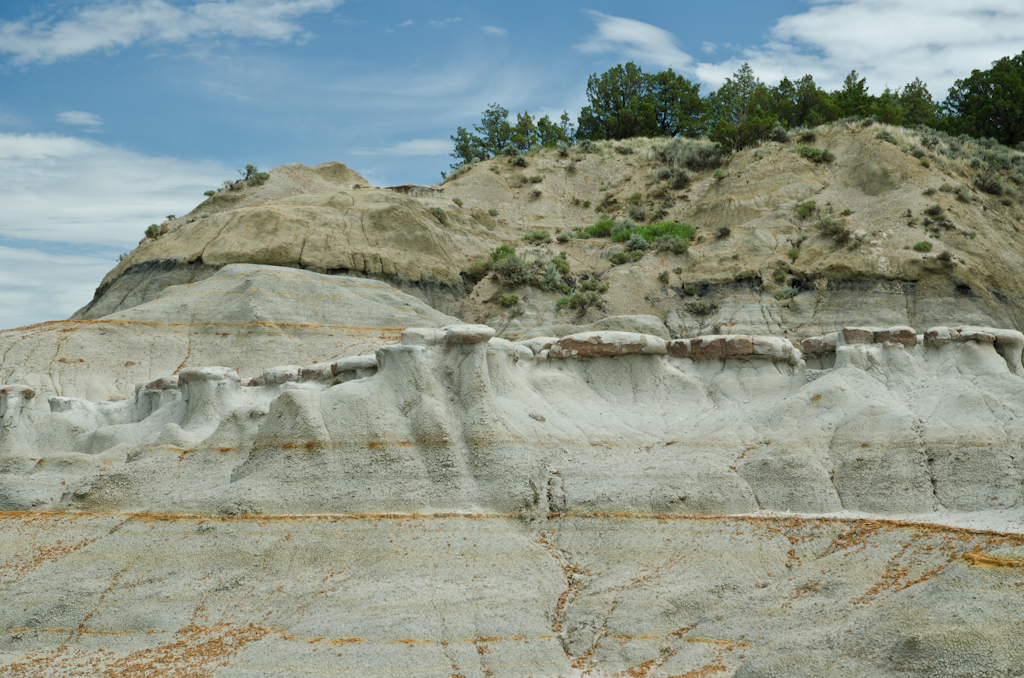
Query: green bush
[834,229]
[457,201]
[439,215]
[508,299]
[806,208]
[586,203]
[635,199]
[518,161]
[210,194]
[512,272]
[779,134]
[622,229]
[719,174]
[935,211]
[724,232]
[990,183]
[636,212]
[618,258]
[701,307]
[561,264]
[779,275]
[152,231]
[537,237]
[886,136]
[493,212]
[923,246]
[562,237]
[502,252]
[637,242]
[815,154]
[963,194]
[692,155]
[536,179]
[787,293]
[794,252]
[170,217]
[552,279]
[671,243]
[663,277]
[601,229]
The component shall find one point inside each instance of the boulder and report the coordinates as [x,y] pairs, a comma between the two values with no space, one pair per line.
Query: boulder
[907,336]
[597,344]
[422,336]
[937,336]
[816,346]
[856,335]
[468,334]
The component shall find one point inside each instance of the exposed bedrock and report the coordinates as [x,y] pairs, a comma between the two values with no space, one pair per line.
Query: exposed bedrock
[880,420]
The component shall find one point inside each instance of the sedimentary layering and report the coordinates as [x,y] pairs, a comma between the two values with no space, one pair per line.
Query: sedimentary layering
[457,503]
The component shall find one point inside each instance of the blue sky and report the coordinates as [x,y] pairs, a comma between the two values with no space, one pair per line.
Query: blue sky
[116,113]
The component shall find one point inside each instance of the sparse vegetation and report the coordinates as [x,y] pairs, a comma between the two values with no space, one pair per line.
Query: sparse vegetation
[794,252]
[457,201]
[536,179]
[990,183]
[170,217]
[815,154]
[152,231]
[786,293]
[923,246]
[663,277]
[537,237]
[637,242]
[806,208]
[253,176]
[637,212]
[701,307]
[440,215]
[508,299]
[719,174]
[779,276]
[493,212]
[589,294]
[210,194]
[834,229]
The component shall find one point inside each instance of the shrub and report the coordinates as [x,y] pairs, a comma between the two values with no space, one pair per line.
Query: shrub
[663,277]
[624,149]
[806,208]
[794,252]
[945,256]
[787,293]
[963,194]
[724,232]
[917,152]
[561,264]
[439,215]
[1007,200]
[552,279]
[692,155]
[618,258]
[815,154]
[635,199]
[587,146]
[946,187]
[512,272]
[779,134]
[562,237]
[928,192]
[637,242]
[210,194]
[170,217]
[457,201]
[493,212]
[511,151]
[152,231]
[691,289]
[622,229]
[535,194]
[586,203]
[537,237]
[502,252]
[637,212]
[834,229]
[802,133]
[563,148]
[536,179]
[990,183]
[923,246]
[886,136]
[779,276]
[680,179]
[719,174]
[671,243]
[518,161]
[601,229]
[701,307]
[925,163]
[934,211]
[508,299]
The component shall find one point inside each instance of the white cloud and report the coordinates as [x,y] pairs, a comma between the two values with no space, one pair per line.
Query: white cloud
[79,118]
[890,42]
[412,147]
[442,24]
[119,23]
[636,40]
[33,293]
[494,30]
[407,22]
[708,47]
[65,189]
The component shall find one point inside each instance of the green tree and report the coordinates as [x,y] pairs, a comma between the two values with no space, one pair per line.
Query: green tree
[491,137]
[887,108]
[917,104]
[678,107]
[524,132]
[620,105]
[741,112]
[803,103]
[550,133]
[989,103]
[853,99]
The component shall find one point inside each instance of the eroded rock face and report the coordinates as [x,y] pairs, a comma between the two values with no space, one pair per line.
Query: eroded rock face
[602,344]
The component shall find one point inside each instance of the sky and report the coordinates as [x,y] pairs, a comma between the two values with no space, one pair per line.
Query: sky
[116,113]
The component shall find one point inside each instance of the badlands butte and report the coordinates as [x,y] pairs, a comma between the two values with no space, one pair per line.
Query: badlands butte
[317,427]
